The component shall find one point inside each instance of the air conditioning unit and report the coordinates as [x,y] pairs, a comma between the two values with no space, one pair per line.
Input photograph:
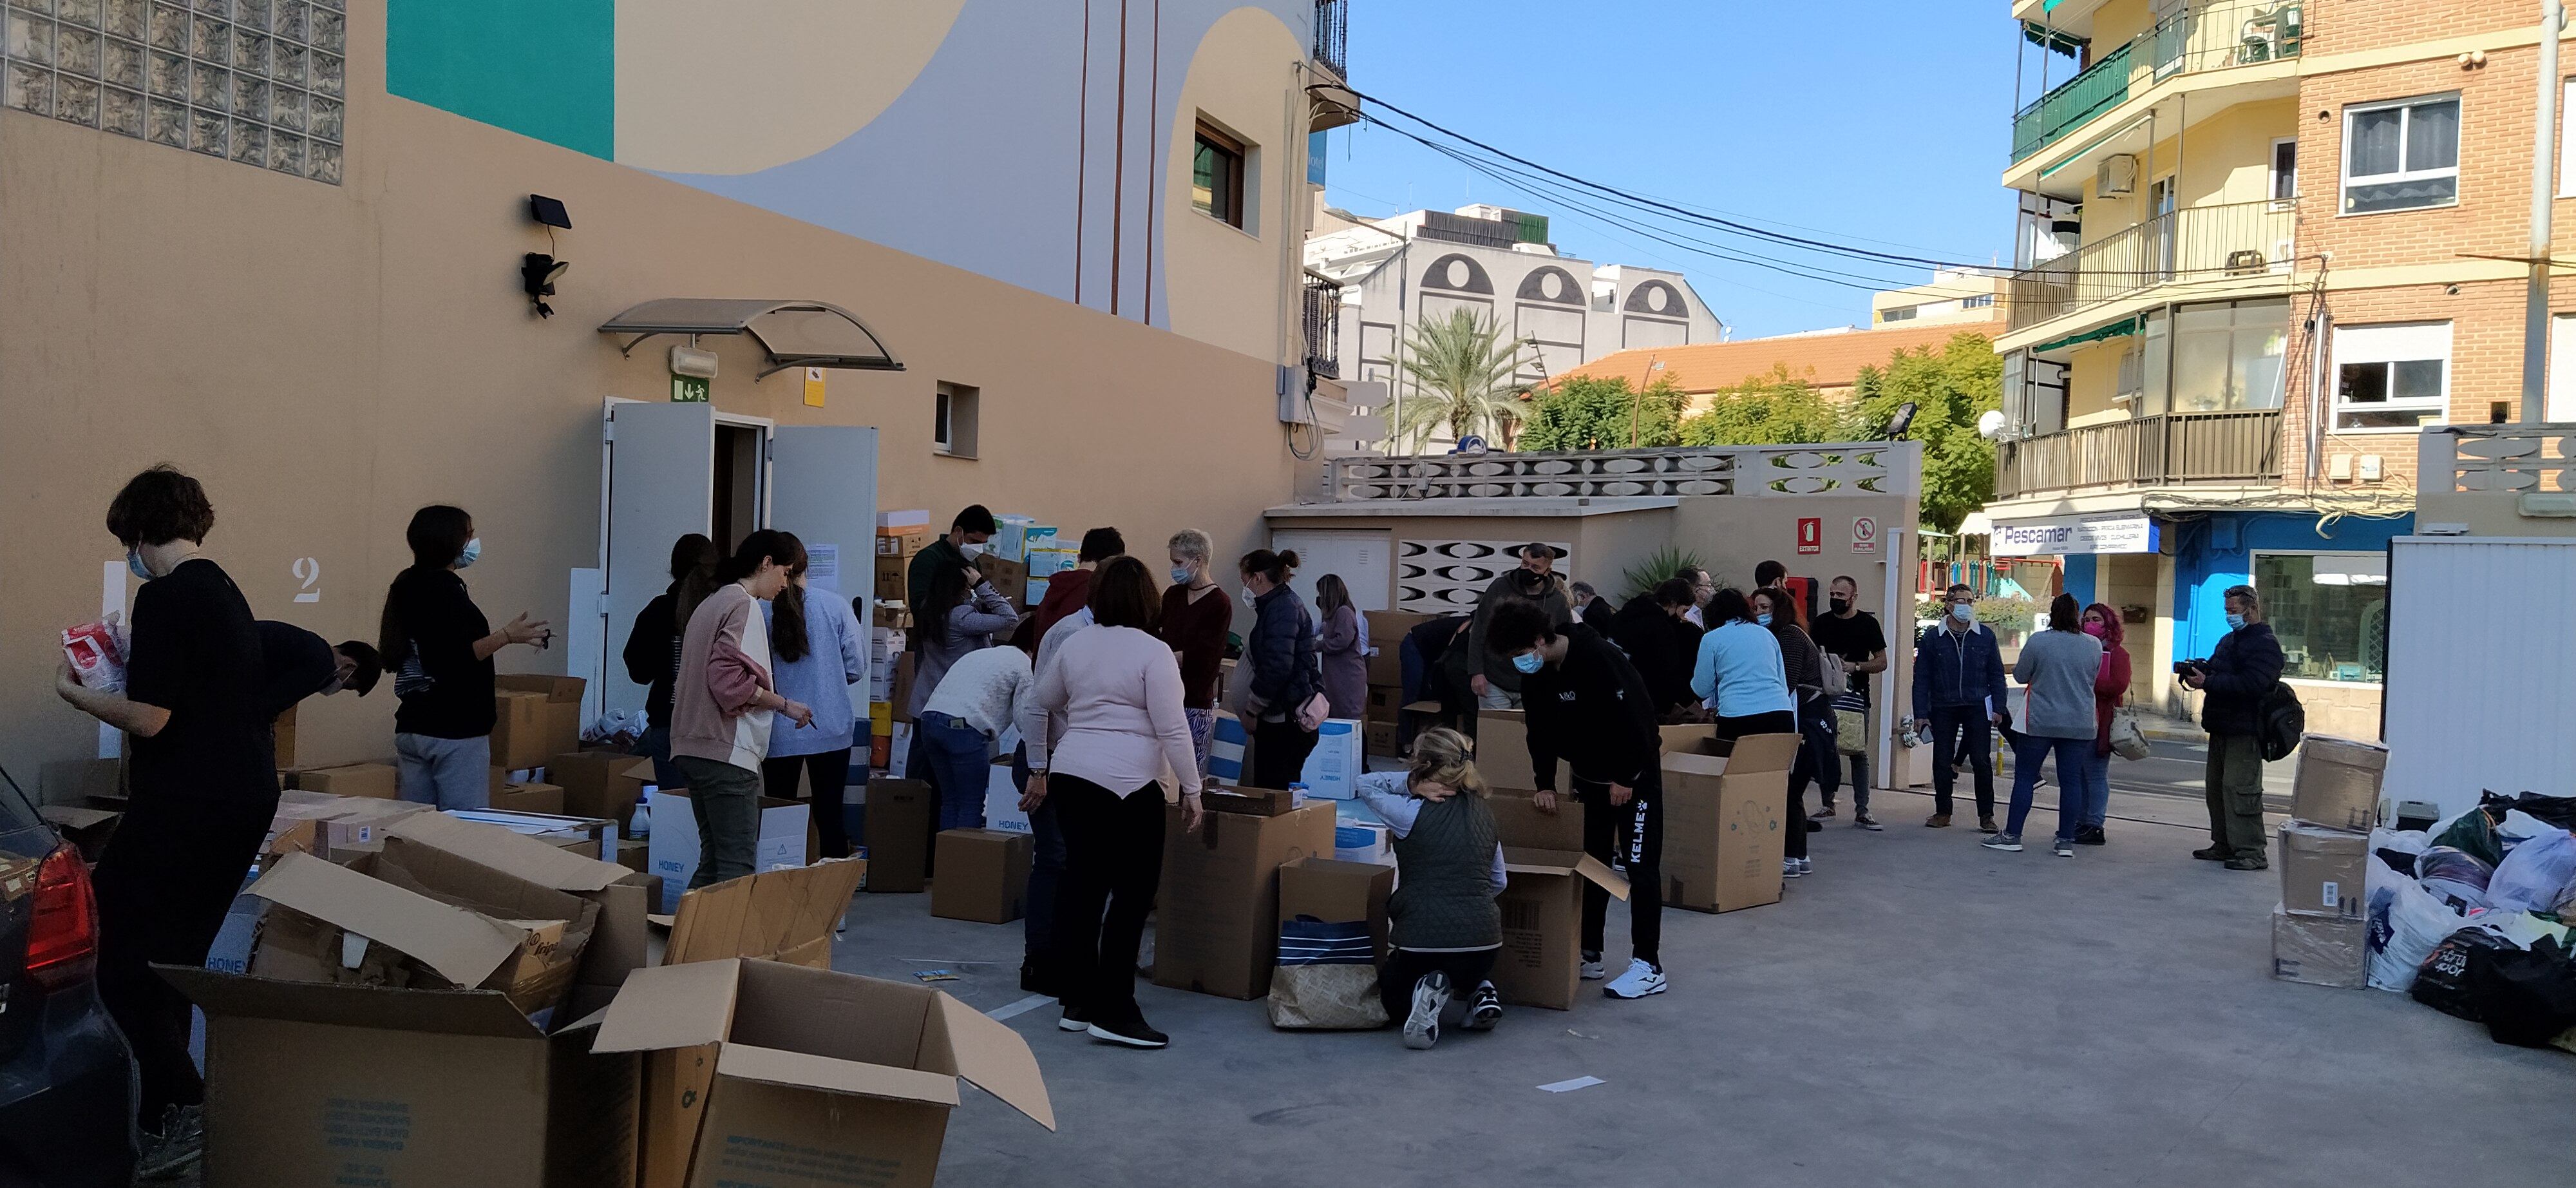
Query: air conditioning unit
[2116,175]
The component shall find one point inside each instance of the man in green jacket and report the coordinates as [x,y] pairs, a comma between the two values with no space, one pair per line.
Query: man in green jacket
[1495,683]
[964,542]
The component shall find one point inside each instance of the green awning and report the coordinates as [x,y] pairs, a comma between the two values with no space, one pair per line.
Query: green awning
[2046,38]
[2119,329]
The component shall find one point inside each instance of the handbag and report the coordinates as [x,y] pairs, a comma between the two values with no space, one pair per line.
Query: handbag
[1327,979]
[1310,716]
[2128,739]
[1851,732]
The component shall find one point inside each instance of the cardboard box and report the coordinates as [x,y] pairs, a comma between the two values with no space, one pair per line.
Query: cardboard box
[1216,926]
[522,737]
[309,1083]
[983,875]
[1364,842]
[903,541]
[284,730]
[2322,871]
[1384,702]
[529,798]
[900,713]
[1386,632]
[1502,750]
[1338,892]
[636,854]
[1256,802]
[624,896]
[1002,801]
[92,783]
[601,784]
[1518,823]
[911,519]
[765,1073]
[1010,578]
[1689,738]
[2337,782]
[1542,908]
[1725,824]
[2320,950]
[786,828]
[1334,767]
[419,918]
[900,814]
[87,829]
[1021,536]
[333,827]
[892,575]
[375,781]
[777,915]
[1379,738]
[1046,563]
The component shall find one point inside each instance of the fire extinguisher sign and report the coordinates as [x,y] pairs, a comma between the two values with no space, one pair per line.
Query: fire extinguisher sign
[1811,536]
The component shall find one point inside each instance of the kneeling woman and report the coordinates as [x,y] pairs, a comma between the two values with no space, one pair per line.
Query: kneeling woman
[1446,929]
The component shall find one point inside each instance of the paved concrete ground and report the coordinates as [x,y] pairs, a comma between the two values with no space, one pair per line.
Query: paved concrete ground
[1920,1011]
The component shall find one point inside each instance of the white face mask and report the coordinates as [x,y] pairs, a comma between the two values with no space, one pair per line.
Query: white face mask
[971,549]
[1248,599]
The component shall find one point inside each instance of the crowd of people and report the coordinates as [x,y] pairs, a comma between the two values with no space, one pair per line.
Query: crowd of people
[1112,687]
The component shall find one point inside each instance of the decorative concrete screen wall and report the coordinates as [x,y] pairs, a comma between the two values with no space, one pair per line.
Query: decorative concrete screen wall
[1850,469]
[1448,576]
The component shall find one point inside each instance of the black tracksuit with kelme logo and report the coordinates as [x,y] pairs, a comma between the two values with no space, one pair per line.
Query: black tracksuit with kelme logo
[1593,710]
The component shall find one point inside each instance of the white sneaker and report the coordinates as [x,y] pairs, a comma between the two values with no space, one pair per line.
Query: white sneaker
[1806,866]
[1591,969]
[1430,997]
[1641,980]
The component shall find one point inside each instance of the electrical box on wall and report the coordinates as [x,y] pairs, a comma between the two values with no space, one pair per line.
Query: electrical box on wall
[1294,408]
[2370,468]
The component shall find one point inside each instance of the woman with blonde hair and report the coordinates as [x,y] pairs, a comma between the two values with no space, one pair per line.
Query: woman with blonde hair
[1197,617]
[1444,928]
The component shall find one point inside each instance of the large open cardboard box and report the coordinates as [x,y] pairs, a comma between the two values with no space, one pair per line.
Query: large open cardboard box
[1542,905]
[1216,924]
[807,1077]
[1725,818]
[1502,750]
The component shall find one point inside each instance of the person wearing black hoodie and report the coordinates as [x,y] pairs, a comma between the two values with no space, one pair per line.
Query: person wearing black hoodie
[1651,631]
[1585,703]
[2239,673]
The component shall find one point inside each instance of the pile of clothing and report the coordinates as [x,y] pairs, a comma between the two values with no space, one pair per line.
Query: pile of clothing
[2476,917]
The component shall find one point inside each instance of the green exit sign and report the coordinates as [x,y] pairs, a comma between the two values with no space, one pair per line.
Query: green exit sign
[688,389]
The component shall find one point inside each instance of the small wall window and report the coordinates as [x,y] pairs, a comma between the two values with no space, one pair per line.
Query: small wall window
[1216,176]
[952,420]
[2402,155]
[1978,301]
[2392,377]
[1899,313]
[2285,169]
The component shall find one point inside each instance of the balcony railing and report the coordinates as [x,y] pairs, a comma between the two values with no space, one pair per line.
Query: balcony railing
[2237,447]
[1333,37]
[1323,326]
[2205,37]
[2196,243]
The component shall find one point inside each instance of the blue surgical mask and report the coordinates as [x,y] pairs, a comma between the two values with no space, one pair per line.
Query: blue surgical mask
[134,564]
[1527,663]
[1248,599]
[473,552]
[2235,621]
[1963,612]
[1180,577]
[1764,618]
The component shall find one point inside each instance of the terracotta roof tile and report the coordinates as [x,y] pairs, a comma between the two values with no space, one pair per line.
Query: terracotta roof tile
[1825,360]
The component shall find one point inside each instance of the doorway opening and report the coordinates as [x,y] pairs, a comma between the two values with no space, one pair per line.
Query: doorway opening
[739,457]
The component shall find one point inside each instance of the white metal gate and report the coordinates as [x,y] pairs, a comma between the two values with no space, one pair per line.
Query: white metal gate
[2481,668]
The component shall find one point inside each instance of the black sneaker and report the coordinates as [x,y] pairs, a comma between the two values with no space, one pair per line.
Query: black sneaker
[2213,853]
[2090,835]
[1815,826]
[1133,1032]
[2249,862]
[1823,814]
[1488,1009]
[1075,1019]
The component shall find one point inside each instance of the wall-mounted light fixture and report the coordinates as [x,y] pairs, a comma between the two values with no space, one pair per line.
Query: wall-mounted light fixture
[538,271]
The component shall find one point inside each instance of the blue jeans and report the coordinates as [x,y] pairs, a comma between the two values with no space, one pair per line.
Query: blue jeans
[959,761]
[2074,780]
[2097,805]
[449,773]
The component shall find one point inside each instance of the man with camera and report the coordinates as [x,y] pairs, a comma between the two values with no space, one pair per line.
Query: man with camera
[2240,671]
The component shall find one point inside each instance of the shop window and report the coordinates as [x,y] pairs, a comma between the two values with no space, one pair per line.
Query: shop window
[2402,155]
[953,416]
[1216,176]
[2330,612]
[2228,356]
[2392,377]
[261,82]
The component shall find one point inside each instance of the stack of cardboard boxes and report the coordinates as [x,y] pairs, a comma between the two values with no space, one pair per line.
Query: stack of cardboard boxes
[1386,679]
[1217,928]
[2320,930]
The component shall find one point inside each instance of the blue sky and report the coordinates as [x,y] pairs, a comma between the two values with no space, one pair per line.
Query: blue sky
[1868,120]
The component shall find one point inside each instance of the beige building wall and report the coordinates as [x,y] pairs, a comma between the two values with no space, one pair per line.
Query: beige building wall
[1248,61]
[327,359]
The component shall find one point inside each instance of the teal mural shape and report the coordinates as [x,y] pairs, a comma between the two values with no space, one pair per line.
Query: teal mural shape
[545,69]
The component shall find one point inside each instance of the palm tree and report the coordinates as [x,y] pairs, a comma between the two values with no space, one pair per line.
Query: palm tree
[1463,376]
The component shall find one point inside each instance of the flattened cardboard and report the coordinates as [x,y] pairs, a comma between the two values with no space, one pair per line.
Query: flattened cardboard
[1725,823]
[782,915]
[2338,782]
[1217,917]
[462,946]
[1338,892]
[1502,749]
[617,939]
[899,816]
[1252,802]
[983,875]
[2322,870]
[1540,963]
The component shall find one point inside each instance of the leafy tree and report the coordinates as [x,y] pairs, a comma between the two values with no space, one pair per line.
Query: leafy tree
[1949,388]
[1597,413]
[1776,408]
[1462,371]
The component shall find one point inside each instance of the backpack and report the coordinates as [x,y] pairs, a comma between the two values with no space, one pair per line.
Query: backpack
[1835,681]
[2279,721]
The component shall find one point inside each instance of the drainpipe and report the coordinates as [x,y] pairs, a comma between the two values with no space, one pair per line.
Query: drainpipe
[2544,132]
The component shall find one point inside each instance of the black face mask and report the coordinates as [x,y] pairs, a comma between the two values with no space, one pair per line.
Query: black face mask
[1839,605]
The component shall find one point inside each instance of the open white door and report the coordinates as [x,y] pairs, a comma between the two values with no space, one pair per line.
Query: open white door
[661,486]
[823,488]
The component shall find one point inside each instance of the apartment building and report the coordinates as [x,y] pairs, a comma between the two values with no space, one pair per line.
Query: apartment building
[1955,296]
[2262,246]
[941,253]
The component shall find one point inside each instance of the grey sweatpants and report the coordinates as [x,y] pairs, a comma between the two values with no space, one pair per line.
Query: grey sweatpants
[451,773]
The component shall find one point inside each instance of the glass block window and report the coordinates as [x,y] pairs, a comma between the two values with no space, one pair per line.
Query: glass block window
[262,82]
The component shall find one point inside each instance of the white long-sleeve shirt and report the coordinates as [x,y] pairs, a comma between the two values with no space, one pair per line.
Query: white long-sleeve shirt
[1389,794]
[1120,692]
[1041,744]
[991,690]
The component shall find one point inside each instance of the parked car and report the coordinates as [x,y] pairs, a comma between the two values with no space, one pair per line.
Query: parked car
[66,1076]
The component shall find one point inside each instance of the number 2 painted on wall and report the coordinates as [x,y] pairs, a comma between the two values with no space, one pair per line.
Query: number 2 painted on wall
[308,571]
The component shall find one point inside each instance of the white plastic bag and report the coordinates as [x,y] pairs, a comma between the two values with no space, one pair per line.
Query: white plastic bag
[2404,841]
[2406,922]
[2535,876]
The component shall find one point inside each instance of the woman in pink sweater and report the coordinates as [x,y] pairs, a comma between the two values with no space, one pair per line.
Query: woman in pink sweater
[1125,735]
[723,699]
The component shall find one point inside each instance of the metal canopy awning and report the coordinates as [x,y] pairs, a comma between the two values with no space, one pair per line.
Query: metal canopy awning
[791,333]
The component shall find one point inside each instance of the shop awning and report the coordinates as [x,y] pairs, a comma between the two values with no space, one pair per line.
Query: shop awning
[2118,329]
[791,333]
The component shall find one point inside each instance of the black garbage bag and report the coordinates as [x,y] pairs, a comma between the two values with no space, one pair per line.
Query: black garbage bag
[2448,980]
[2554,810]
[2527,996]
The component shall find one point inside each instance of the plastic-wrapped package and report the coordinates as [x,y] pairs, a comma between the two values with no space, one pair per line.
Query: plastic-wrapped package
[2406,922]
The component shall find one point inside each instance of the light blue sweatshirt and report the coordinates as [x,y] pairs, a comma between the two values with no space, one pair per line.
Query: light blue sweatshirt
[1740,672]
[821,678]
